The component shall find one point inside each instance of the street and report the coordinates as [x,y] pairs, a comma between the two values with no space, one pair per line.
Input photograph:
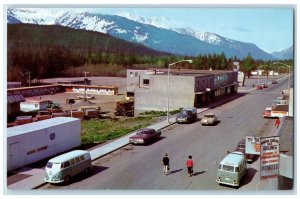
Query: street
[139,167]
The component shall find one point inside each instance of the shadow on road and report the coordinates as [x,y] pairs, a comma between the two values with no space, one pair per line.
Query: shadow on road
[198,173]
[248,177]
[175,171]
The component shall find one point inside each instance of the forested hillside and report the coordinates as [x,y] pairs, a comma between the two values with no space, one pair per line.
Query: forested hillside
[50,51]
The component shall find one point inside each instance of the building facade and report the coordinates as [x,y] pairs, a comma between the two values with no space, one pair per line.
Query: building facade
[187,88]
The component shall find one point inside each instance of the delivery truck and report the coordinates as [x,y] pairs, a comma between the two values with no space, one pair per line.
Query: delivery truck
[36,141]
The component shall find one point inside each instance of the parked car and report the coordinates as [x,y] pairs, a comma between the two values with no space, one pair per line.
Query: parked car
[267,112]
[187,115]
[241,147]
[264,85]
[274,82]
[259,87]
[209,119]
[144,136]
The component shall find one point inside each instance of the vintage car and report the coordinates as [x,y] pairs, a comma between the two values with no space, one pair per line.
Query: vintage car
[259,87]
[241,147]
[274,82]
[187,115]
[264,85]
[209,119]
[144,136]
[267,112]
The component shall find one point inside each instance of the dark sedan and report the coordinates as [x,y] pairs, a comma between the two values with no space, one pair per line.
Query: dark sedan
[144,136]
[241,147]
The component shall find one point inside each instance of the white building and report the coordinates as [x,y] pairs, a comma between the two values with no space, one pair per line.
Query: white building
[34,105]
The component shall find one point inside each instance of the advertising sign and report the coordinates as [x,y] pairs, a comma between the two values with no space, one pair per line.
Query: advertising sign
[269,157]
[252,145]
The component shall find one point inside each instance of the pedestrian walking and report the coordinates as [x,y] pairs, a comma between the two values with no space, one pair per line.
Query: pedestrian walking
[166,164]
[277,122]
[189,165]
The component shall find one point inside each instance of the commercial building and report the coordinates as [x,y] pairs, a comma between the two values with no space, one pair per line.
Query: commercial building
[36,141]
[34,105]
[187,88]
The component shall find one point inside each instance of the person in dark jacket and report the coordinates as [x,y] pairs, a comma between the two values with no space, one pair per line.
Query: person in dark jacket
[189,165]
[166,164]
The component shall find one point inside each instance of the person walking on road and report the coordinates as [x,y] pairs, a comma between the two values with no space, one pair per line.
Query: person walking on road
[166,164]
[277,122]
[189,165]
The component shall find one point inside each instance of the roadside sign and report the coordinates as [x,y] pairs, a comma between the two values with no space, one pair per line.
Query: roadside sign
[252,145]
[269,157]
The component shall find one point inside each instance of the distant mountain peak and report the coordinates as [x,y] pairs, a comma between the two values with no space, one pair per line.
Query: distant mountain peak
[149,32]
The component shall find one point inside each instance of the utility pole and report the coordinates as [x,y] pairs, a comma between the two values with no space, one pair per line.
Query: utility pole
[29,77]
[84,98]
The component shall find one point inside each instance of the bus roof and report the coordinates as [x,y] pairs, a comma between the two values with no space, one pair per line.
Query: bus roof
[233,159]
[67,156]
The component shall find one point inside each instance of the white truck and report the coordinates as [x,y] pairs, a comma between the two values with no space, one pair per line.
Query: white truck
[36,141]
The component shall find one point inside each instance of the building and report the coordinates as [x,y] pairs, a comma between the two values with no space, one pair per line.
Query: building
[13,84]
[76,81]
[34,105]
[29,143]
[91,89]
[13,105]
[187,88]
[286,160]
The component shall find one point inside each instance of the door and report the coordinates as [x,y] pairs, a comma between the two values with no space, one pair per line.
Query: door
[14,157]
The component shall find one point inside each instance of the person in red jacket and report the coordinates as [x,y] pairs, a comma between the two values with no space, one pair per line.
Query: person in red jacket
[189,165]
[277,122]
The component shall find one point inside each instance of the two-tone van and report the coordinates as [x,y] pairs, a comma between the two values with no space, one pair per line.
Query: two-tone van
[232,169]
[61,168]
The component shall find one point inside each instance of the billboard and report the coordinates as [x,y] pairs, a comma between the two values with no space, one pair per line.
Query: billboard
[252,145]
[269,157]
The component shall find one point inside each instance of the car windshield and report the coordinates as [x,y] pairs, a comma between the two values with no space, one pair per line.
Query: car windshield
[209,116]
[185,112]
[142,133]
[228,168]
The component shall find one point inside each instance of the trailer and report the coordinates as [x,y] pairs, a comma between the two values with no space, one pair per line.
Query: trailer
[36,141]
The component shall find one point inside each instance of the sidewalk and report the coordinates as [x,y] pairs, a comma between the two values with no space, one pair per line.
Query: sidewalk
[36,178]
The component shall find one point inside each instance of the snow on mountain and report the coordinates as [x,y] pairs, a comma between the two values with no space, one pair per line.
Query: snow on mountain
[183,41]
[203,36]
[35,16]
[155,21]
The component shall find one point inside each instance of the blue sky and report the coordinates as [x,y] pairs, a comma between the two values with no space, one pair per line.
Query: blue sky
[269,28]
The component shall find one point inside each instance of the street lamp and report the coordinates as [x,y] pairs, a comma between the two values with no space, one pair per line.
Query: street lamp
[168,104]
[84,98]
[289,85]
[258,73]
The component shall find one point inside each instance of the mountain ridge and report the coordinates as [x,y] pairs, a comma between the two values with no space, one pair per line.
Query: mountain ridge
[158,38]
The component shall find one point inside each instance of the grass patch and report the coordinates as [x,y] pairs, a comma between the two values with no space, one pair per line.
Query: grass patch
[98,130]
[159,113]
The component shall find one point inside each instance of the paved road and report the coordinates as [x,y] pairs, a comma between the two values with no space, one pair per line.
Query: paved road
[139,167]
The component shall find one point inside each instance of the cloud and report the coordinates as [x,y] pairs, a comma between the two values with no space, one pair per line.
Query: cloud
[241,29]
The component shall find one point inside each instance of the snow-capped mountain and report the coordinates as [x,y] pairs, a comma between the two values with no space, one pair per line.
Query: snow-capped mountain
[284,54]
[179,41]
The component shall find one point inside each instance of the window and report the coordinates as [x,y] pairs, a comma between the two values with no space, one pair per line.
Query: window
[228,168]
[81,158]
[77,159]
[65,164]
[146,82]
[131,74]
[72,161]
[237,169]
[135,74]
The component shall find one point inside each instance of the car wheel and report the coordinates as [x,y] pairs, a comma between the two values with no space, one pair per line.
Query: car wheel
[67,180]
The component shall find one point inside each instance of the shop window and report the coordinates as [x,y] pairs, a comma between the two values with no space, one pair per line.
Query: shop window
[146,82]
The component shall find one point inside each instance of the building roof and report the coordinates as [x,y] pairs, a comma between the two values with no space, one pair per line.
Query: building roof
[35,126]
[286,134]
[15,98]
